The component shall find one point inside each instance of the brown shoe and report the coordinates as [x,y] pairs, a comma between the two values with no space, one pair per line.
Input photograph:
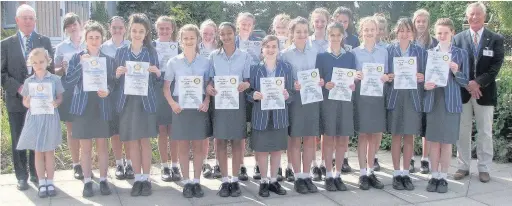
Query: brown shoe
[460,174]
[484,177]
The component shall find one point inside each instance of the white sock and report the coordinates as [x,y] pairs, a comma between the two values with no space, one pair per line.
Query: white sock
[363,172]
[397,173]
[185,182]
[164,165]
[87,179]
[333,155]
[435,175]
[300,175]
[290,166]
[234,179]
[443,175]
[242,165]
[329,174]
[273,179]
[225,179]
[174,164]
[75,164]
[146,177]
[50,183]
[424,159]
[103,179]
[322,163]
[346,155]
[128,162]
[405,172]
[196,181]
[338,174]
[370,171]
[42,182]
[264,180]
[137,177]
[216,162]
[119,162]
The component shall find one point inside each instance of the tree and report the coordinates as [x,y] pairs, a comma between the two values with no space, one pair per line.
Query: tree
[99,13]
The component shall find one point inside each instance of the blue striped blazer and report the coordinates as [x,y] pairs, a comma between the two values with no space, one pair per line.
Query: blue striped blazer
[421,61]
[260,117]
[124,54]
[74,79]
[452,94]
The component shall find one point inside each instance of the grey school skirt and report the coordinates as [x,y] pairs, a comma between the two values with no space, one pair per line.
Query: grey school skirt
[163,109]
[189,124]
[229,124]
[91,124]
[442,126]
[337,118]
[404,119]
[135,122]
[270,139]
[370,112]
[304,119]
[65,106]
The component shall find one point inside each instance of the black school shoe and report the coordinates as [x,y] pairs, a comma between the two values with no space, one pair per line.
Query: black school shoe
[317,173]
[257,174]
[276,188]
[425,168]
[224,190]
[120,172]
[216,172]
[323,170]
[188,190]
[242,174]
[235,189]
[300,186]
[175,174]
[340,185]
[398,184]
[280,177]
[376,165]
[364,182]
[442,186]
[346,167]
[329,184]
[146,188]
[198,190]
[136,189]
[207,171]
[128,172]
[411,168]
[104,188]
[78,172]
[311,187]
[407,183]
[374,182]
[166,175]
[432,185]
[290,176]
[264,190]
[88,191]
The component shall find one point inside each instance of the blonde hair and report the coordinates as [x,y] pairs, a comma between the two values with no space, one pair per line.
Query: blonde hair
[211,23]
[37,52]
[245,15]
[281,18]
[363,21]
[190,27]
[425,39]
[321,11]
[168,19]
[381,20]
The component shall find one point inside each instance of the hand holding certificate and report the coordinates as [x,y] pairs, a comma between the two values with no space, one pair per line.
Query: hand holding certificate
[342,78]
[253,48]
[310,91]
[136,78]
[41,98]
[438,68]
[405,70]
[272,89]
[371,84]
[227,92]
[94,74]
[190,92]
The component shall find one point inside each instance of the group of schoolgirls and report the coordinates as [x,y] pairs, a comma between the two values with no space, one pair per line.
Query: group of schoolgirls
[322,42]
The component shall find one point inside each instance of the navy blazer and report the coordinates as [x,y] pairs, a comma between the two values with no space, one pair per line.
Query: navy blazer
[421,61]
[452,97]
[123,54]
[280,116]
[74,79]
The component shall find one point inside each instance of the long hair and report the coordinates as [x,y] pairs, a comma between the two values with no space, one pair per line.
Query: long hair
[220,44]
[347,12]
[116,18]
[139,18]
[320,11]
[282,18]
[363,21]
[172,21]
[189,27]
[425,37]
[291,28]
[404,23]
[210,23]
[333,26]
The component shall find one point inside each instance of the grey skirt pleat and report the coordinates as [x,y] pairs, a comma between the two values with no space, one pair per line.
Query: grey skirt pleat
[230,124]
[41,133]
[91,123]
[65,106]
[269,140]
[163,109]
[304,119]
[442,126]
[135,122]
[189,124]
[114,121]
[370,112]
[404,119]
[337,118]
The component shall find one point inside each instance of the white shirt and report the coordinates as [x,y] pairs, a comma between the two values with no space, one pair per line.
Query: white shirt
[479,33]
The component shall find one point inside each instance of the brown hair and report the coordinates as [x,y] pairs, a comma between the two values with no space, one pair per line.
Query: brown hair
[140,18]
[363,21]
[36,52]
[347,12]
[92,25]
[404,23]
[445,22]
[190,27]
[268,39]
[168,19]
[336,25]
[425,39]
[293,24]
[70,18]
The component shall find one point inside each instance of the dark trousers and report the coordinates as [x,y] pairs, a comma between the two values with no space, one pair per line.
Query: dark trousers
[19,157]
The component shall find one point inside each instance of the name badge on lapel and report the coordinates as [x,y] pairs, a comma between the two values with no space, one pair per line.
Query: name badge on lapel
[488,52]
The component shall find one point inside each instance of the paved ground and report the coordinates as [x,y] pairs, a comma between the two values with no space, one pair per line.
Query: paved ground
[467,192]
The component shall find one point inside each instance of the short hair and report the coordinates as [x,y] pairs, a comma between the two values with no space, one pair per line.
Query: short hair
[445,22]
[70,18]
[321,11]
[92,25]
[25,7]
[477,4]
[245,15]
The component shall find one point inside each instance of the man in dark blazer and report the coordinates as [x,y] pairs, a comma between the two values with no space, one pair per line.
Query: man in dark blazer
[15,50]
[486,53]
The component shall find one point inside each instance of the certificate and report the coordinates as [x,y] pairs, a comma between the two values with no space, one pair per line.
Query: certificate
[190,91]
[41,98]
[136,79]
[342,78]
[253,48]
[438,68]
[272,89]
[94,74]
[166,51]
[66,58]
[310,91]
[405,69]
[371,84]
[227,92]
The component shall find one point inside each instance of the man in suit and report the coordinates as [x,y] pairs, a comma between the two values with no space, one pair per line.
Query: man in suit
[486,53]
[15,50]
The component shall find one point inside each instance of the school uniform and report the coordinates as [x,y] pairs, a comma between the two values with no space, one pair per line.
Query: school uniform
[109,48]
[66,47]
[254,61]
[205,52]
[164,110]
[89,110]
[405,105]
[370,112]
[42,132]
[269,127]
[351,41]
[336,116]
[443,105]
[137,118]
[320,45]
[304,118]
[382,44]
[189,124]
[230,124]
